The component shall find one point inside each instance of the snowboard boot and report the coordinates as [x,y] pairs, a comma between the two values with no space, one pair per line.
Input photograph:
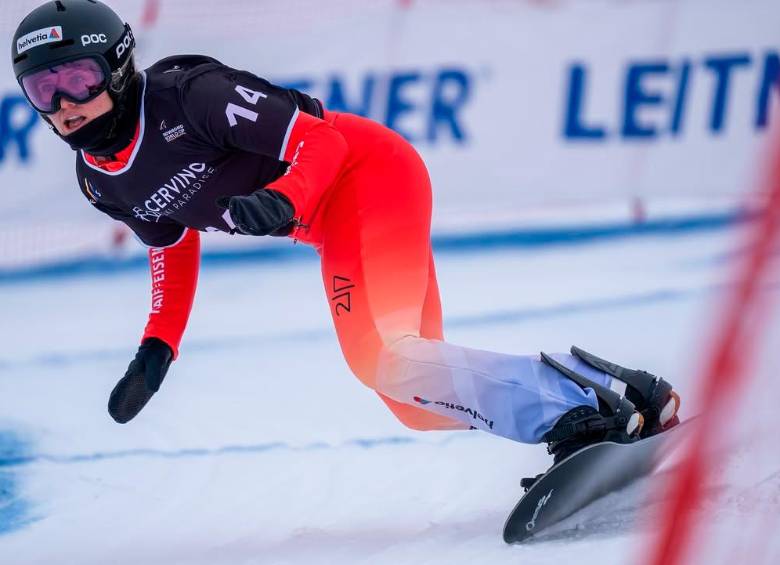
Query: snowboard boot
[652,396]
[583,426]
[616,420]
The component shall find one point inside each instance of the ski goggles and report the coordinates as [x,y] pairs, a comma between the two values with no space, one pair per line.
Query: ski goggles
[80,81]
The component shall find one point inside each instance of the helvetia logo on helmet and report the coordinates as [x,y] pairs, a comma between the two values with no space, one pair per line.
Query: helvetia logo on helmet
[38,37]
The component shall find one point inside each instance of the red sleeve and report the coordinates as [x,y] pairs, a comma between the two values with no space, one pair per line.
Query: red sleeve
[174,278]
[316,151]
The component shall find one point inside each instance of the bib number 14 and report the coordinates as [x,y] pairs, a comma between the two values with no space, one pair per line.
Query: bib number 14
[233,111]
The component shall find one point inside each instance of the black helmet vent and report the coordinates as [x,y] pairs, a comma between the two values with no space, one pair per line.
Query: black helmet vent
[62,44]
[60,7]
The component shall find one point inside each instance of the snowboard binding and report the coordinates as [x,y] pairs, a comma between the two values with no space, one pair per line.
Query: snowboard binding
[616,420]
[653,397]
[649,407]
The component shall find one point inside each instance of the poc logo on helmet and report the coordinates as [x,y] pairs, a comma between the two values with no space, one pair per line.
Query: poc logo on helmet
[127,40]
[93,38]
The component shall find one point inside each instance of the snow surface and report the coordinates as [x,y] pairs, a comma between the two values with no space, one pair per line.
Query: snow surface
[262,448]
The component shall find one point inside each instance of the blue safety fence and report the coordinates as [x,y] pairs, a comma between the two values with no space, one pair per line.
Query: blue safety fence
[460,243]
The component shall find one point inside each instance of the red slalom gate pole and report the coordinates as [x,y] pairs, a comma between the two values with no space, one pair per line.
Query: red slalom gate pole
[150,13]
[725,373]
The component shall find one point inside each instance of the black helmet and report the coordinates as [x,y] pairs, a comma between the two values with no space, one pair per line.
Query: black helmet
[65,31]
[70,29]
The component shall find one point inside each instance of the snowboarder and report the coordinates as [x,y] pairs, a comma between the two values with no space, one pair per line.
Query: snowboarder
[191,145]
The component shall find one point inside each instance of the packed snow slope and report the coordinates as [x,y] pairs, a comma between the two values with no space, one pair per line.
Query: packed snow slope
[261,446]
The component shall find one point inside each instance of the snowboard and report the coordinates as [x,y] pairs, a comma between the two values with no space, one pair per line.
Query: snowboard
[585,476]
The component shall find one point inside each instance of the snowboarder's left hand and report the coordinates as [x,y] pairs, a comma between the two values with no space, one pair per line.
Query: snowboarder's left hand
[264,212]
[142,379]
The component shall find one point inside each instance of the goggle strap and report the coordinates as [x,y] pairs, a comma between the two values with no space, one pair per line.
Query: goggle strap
[119,77]
[114,52]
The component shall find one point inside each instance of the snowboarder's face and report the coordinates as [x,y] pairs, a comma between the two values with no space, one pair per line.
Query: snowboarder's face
[72,116]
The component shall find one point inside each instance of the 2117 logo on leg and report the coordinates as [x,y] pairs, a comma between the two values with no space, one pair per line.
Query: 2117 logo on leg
[342,295]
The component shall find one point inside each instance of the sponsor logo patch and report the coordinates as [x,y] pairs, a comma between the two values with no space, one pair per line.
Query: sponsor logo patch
[158,278]
[38,37]
[449,406]
[92,193]
[173,133]
[342,290]
[90,38]
[531,524]
[124,44]
[174,194]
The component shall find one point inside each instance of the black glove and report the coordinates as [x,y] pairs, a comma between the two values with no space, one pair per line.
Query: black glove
[142,379]
[264,212]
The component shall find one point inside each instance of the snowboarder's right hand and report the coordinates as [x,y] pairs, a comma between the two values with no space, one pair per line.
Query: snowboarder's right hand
[264,212]
[142,379]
